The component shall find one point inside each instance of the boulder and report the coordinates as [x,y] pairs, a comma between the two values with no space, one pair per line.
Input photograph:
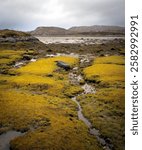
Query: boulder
[27,57]
[63,65]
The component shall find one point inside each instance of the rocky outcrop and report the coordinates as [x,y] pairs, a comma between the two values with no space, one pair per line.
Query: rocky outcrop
[18,39]
[15,36]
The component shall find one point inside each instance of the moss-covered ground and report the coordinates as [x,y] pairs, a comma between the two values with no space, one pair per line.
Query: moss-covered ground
[36,100]
[106,108]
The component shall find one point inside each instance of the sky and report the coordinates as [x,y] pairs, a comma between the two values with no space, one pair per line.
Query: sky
[26,15]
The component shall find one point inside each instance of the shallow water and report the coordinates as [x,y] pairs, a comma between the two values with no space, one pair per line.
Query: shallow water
[75,40]
[73,77]
[5,139]
[92,130]
[80,114]
[63,54]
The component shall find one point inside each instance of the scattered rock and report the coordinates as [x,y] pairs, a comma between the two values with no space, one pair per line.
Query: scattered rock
[18,64]
[88,89]
[33,60]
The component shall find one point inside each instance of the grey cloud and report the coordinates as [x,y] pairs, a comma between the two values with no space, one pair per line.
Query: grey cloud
[99,12]
[28,14]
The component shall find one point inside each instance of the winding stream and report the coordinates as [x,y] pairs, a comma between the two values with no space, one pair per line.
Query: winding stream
[75,78]
[92,131]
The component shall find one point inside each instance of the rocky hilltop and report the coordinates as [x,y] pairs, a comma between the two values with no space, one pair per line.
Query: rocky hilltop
[79,30]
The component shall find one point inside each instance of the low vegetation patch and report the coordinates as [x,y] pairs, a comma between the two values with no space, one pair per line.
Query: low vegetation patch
[106,111]
[9,56]
[36,98]
[114,59]
[73,90]
[106,108]
[46,65]
[107,72]
[36,101]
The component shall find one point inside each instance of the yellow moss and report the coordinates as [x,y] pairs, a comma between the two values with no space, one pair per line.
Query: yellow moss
[52,116]
[18,109]
[5,61]
[112,74]
[8,56]
[110,60]
[53,119]
[107,73]
[32,79]
[46,65]
[67,137]
[106,110]
[28,79]
[71,91]
[108,103]
[10,52]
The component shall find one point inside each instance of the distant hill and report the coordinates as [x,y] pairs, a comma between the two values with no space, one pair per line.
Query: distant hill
[79,30]
[46,31]
[95,28]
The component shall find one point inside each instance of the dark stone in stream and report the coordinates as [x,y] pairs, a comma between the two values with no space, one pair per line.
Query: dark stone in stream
[102,55]
[63,65]
[49,50]
[112,49]
[27,57]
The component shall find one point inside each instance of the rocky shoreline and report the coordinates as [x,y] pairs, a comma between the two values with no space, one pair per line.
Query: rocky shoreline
[18,39]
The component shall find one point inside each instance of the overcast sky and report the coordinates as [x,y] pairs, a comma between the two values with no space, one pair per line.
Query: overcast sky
[29,14]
